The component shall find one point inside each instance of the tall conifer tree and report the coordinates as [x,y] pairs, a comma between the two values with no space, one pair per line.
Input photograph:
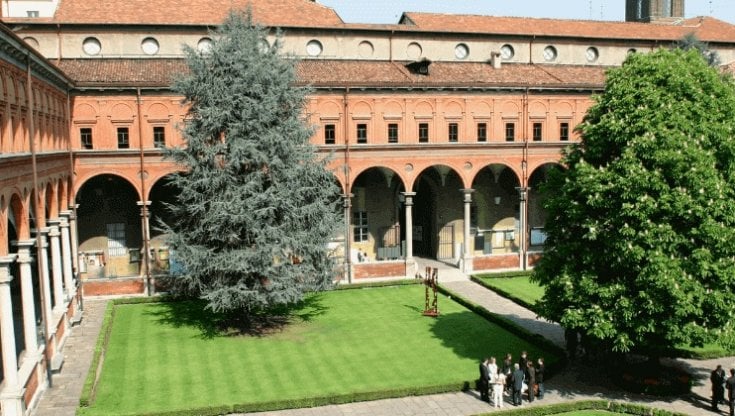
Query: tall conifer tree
[257,206]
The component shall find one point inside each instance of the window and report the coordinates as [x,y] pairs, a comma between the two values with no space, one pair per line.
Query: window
[481,132]
[423,132]
[362,133]
[32,13]
[453,133]
[564,131]
[537,132]
[392,133]
[159,136]
[116,240]
[123,138]
[461,51]
[314,48]
[91,46]
[550,53]
[592,54]
[507,52]
[85,134]
[510,132]
[149,46]
[360,226]
[329,134]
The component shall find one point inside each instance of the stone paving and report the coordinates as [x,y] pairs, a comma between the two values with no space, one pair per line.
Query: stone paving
[574,383]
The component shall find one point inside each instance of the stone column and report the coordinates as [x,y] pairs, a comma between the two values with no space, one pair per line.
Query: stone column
[347,207]
[30,333]
[74,241]
[56,271]
[523,226]
[145,259]
[66,255]
[46,282]
[467,254]
[408,201]
[12,394]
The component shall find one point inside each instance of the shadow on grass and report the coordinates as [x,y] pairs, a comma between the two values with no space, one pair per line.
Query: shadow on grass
[193,313]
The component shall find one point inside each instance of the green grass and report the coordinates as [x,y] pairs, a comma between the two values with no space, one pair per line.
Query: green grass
[589,413]
[164,357]
[521,290]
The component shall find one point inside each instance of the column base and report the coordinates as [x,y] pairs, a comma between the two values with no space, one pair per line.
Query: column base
[12,402]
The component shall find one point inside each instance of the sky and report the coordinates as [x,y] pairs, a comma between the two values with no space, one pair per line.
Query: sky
[389,11]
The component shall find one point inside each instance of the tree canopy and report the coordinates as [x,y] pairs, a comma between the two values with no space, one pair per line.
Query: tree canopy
[256,206]
[641,227]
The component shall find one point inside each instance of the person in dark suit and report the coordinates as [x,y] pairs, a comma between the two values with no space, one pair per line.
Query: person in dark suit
[531,380]
[523,361]
[507,369]
[730,387]
[484,381]
[517,382]
[717,378]
[540,370]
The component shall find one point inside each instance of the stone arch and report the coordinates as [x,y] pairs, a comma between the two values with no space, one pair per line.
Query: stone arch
[63,195]
[84,112]
[496,209]
[329,109]
[52,201]
[80,181]
[393,108]
[122,112]
[537,109]
[18,215]
[564,109]
[362,108]
[537,215]
[453,109]
[424,108]
[157,111]
[482,109]
[510,107]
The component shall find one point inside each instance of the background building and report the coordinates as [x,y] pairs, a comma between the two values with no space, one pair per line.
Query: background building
[442,130]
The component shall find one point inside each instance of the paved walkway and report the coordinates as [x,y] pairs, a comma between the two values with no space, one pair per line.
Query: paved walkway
[575,383]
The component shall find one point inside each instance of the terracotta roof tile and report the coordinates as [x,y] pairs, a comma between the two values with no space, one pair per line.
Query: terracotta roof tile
[325,73]
[272,13]
[705,28]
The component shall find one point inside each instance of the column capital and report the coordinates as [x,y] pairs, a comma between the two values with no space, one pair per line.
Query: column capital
[65,213]
[523,192]
[24,250]
[408,198]
[54,231]
[5,262]
[141,203]
[467,192]
[347,200]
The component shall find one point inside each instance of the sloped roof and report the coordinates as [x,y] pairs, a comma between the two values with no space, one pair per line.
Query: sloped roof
[706,29]
[353,73]
[271,13]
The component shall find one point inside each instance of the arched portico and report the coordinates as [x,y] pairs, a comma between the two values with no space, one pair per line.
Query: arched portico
[110,236]
[536,212]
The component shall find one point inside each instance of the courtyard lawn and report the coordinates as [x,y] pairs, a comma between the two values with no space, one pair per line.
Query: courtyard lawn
[526,293]
[163,356]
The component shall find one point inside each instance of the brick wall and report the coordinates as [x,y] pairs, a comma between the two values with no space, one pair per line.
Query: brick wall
[379,269]
[31,387]
[104,287]
[509,261]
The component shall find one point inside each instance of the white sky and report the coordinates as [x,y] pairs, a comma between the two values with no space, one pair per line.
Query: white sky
[388,11]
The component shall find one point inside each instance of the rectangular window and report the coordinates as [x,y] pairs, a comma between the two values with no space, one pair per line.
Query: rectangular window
[85,134]
[453,132]
[564,131]
[329,134]
[481,132]
[423,132]
[116,240]
[123,138]
[537,132]
[510,132]
[362,133]
[393,133]
[360,226]
[31,13]
[159,136]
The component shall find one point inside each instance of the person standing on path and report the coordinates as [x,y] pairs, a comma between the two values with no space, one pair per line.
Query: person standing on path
[508,370]
[540,377]
[517,382]
[717,378]
[484,380]
[498,387]
[531,380]
[730,386]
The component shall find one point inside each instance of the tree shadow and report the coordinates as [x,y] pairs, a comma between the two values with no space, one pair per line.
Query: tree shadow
[193,313]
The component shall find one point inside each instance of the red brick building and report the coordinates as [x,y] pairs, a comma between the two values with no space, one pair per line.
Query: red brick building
[441,129]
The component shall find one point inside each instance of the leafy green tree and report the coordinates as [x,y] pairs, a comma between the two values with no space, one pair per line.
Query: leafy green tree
[257,205]
[690,41]
[641,228]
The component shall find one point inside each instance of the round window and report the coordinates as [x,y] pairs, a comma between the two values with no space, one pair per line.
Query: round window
[592,54]
[314,48]
[91,46]
[31,42]
[204,45]
[631,51]
[461,51]
[414,50]
[366,49]
[149,46]
[550,53]
[507,52]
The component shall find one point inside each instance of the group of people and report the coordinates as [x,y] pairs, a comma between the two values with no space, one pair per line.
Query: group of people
[511,379]
[720,383]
